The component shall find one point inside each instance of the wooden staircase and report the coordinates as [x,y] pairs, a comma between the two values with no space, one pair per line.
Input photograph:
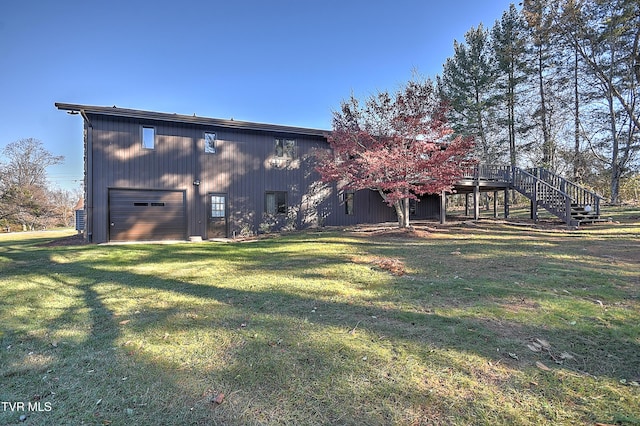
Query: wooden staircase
[570,202]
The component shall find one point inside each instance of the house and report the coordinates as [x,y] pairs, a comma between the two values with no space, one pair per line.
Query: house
[162,176]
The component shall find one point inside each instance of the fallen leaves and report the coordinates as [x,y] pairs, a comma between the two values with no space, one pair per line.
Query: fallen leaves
[542,367]
[219,399]
[534,347]
[543,343]
[393,265]
[539,345]
[566,355]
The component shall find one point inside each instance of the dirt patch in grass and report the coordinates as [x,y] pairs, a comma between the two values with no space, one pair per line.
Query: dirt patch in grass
[390,264]
[392,232]
[395,266]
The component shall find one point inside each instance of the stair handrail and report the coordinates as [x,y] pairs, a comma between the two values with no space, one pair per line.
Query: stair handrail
[580,194]
[560,209]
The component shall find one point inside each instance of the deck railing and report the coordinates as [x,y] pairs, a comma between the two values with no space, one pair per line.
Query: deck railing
[543,187]
[544,194]
[581,196]
[488,172]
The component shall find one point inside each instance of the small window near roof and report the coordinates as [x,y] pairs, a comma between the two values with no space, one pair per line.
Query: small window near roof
[285,147]
[148,137]
[209,142]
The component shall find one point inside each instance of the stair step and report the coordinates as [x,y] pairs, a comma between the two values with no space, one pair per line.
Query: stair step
[584,217]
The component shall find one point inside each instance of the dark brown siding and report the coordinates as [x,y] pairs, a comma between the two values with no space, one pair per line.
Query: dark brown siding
[244,167]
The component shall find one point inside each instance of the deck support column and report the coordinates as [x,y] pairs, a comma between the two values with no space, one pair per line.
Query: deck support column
[506,203]
[476,202]
[534,203]
[466,204]
[443,207]
[495,204]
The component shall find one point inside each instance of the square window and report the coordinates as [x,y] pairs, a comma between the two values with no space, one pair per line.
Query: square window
[285,147]
[148,137]
[209,142]
[276,202]
[218,206]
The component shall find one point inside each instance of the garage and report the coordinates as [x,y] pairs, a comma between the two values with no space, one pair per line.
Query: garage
[146,215]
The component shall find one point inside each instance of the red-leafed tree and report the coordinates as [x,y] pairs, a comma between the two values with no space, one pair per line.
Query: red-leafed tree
[399,145]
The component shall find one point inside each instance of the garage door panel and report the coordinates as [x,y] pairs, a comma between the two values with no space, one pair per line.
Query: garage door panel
[141,215]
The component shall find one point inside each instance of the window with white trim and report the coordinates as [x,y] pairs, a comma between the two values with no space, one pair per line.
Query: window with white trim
[210,142]
[148,137]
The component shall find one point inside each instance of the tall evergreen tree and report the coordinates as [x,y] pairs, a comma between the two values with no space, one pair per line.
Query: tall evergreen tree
[467,83]
[605,35]
[508,45]
[539,17]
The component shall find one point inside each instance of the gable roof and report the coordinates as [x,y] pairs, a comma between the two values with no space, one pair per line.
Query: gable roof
[190,119]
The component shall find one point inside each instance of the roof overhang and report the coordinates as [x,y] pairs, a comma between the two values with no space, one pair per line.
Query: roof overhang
[114,111]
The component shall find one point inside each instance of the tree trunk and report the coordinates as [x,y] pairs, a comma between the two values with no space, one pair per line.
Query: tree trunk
[547,145]
[402,210]
[577,156]
[615,140]
[615,164]
[512,114]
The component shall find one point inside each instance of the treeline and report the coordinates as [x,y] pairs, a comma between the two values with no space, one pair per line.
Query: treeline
[27,200]
[554,83]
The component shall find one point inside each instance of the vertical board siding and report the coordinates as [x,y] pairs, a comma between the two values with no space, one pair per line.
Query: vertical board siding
[243,167]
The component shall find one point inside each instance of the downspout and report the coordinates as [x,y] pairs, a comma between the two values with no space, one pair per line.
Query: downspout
[88,177]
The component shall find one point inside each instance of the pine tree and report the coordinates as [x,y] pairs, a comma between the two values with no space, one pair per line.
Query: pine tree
[605,35]
[468,83]
[508,44]
[539,17]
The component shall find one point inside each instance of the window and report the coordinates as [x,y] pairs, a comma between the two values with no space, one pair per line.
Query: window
[209,142]
[285,147]
[348,202]
[148,137]
[276,202]
[217,205]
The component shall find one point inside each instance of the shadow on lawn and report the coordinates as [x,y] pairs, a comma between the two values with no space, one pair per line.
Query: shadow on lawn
[279,348]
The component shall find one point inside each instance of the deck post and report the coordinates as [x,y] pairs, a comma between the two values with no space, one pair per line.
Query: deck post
[466,204]
[476,202]
[443,207]
[534,202]
[506,203]
[495,204]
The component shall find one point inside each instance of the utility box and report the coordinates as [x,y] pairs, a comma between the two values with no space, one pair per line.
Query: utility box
[80,216]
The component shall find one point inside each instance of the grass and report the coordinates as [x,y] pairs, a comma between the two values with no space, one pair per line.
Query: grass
[467,324]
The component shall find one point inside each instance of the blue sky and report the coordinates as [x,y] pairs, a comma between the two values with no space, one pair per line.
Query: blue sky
[279,61]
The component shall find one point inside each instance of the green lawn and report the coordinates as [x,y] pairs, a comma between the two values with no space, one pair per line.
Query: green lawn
[485,323]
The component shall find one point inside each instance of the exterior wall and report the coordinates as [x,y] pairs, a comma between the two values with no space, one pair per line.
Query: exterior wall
[244,167]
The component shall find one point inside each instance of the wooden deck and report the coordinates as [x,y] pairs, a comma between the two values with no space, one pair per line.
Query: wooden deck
[568,201]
